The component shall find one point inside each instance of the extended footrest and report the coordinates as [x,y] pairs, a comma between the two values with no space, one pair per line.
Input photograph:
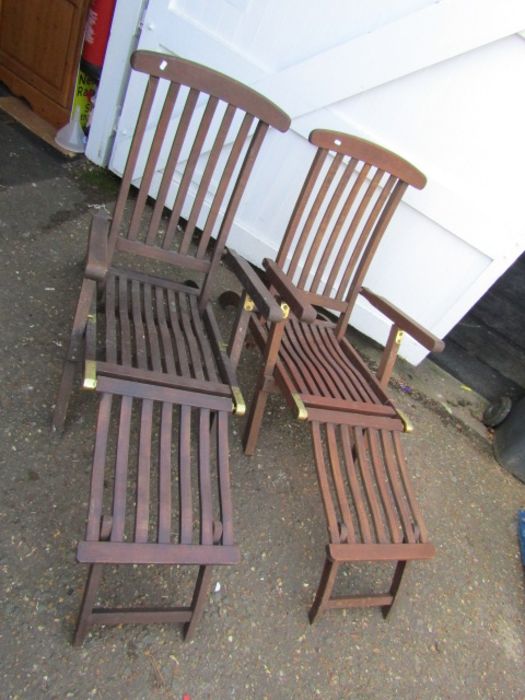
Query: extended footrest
[156,499]
[371,511]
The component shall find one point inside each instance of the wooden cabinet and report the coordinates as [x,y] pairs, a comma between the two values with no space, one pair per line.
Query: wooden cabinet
[40,46]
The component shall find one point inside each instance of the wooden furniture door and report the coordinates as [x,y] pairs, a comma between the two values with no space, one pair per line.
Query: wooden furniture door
[40,46]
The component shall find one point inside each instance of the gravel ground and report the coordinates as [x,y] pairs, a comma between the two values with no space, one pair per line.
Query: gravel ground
[457,630]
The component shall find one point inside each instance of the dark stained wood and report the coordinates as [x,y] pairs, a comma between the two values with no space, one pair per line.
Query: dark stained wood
[160,359]
[130,537]
[40,46]
[349,196]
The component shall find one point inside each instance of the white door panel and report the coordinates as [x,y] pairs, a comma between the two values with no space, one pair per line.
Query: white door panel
[420,77]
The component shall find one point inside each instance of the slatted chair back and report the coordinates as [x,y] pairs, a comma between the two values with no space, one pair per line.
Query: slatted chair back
[196,139]
[347,200]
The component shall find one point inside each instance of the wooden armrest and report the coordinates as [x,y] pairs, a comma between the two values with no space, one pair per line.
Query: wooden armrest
[97,262]
[427,339]
[294,297]
[254,286]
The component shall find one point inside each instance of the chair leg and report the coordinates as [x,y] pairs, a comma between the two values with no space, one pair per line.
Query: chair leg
[202,588]
[324,590]
[255,416]
[88,600]
[396,582]
[64,392]
[85,300]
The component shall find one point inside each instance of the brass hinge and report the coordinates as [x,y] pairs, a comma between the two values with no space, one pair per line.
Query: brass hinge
[249,304]
[399,336]
[239,404]
[302,413]
[90,374]
[408,426]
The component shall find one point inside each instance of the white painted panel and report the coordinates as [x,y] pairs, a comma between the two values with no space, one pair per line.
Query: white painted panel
[113,81]
[436,82]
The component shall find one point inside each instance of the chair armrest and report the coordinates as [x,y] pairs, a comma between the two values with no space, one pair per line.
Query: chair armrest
[425,338]
[254,286]
[294,297]
[97,262]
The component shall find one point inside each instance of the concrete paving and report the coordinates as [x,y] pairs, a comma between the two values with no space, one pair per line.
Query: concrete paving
[457,630]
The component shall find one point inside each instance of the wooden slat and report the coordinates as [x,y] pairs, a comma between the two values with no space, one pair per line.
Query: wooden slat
[140,128]
[224,361]
[364,468]
[154,280]
[177,330]
[325,415]
[354,377]
[337,477]
[111,322]
[143,474]
[376,391]
[337,227]
[189,169]
[165,339]
[165,184]
[125,331]
[162,378]
[322,226]
[163,393]
[380,552]
[311,217]
[254,146]
[186,179]
[164,496]
[203,342]
[359,601]
[151,553]
[331,516]
[333,363]
[300,205]
[371,247]
[226,176]
[409,490]
[314,356]
[178,141]
[294,351]
[360,407]
[153,333]
[141,616]
[367,229]
[185,491]
[151,161]
[397,487]
[189,337]
[211,164]
[376,459]
[355,489]
[166,256]
[97,473]
[121,470]
[224,478]
[205,478]
[353,224]
[138,326]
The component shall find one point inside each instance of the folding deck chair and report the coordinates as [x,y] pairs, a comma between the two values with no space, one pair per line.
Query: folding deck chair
[348,198]
[149,341]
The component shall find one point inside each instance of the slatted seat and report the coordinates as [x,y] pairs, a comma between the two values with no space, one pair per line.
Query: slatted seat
[322,374]
[370,507]
[347,200]
[154,326]
[151,500]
